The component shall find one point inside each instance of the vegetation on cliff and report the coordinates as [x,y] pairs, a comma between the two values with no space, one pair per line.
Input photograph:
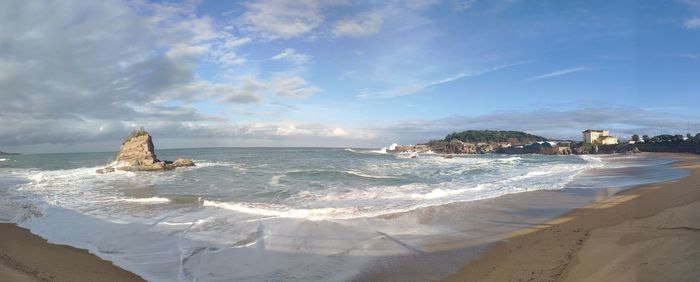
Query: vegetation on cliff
[512,137]
[135,133]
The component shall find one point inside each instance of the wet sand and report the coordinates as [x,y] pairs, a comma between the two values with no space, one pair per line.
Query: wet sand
[649,233]
[27,257]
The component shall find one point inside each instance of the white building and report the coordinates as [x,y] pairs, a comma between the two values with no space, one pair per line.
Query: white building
[598,137]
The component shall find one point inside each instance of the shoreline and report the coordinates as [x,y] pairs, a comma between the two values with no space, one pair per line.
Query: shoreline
[30,269]
[625,237]
[28,257]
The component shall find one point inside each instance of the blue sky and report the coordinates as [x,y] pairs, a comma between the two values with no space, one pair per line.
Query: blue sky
[342,72]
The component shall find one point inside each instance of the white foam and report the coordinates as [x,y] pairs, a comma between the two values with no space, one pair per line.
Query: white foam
[271,210]
[384,150]
[275,180]
[2,160]
[331,204]
[380,151]
[370,176]
[206,163]
[151,200]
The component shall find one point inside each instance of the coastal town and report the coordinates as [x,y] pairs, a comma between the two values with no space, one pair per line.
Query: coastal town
[593,141]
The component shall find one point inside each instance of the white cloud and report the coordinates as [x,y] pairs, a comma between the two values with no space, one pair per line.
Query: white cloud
[275,19]
[316,130]
[187,51]
[291,55]
[693,23]
[364,24]
[462,5]
[246,93]
[339,132]
[251,89]
[693,4]
[558,73]
[237,42]
[421,4]
[292,87]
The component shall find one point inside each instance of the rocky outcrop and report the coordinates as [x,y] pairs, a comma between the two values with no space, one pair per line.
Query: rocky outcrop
[458,147]
[105,170]
[183,162]
[6,153]
[420,148]
[537,150]
[137,153]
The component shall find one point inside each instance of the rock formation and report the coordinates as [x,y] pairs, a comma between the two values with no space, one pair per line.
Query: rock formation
[409,149]
[137,151]
[459,147]
[137,154]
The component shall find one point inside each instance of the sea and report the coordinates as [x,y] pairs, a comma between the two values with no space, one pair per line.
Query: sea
[304,214]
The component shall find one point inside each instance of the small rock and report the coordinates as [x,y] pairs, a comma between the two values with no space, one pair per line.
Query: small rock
[105,170]
[182,162]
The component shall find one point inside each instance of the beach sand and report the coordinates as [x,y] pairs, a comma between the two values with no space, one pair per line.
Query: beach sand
[27,257]
[650,233]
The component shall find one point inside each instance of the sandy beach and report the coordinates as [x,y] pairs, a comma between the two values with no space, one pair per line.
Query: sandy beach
[650,233]
[27,257]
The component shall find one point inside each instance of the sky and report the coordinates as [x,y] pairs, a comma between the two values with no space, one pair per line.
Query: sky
[80,75]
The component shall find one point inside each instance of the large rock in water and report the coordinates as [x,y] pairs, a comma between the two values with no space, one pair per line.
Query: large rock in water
[137,153]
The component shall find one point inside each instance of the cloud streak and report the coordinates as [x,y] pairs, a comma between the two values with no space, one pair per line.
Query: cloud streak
[410,90]
[693,23]
[558,73]
[292,56]
[364,24]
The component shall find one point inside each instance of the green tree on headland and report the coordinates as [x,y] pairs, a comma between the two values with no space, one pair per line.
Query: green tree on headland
[494,136]
[635,138]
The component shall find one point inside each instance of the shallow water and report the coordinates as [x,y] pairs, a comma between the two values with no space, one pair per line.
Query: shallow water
[296,213]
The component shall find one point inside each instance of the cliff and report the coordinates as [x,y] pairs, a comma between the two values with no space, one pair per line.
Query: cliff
[137,153]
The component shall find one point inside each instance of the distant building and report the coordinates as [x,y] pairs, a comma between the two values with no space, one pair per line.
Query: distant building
[598,137]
